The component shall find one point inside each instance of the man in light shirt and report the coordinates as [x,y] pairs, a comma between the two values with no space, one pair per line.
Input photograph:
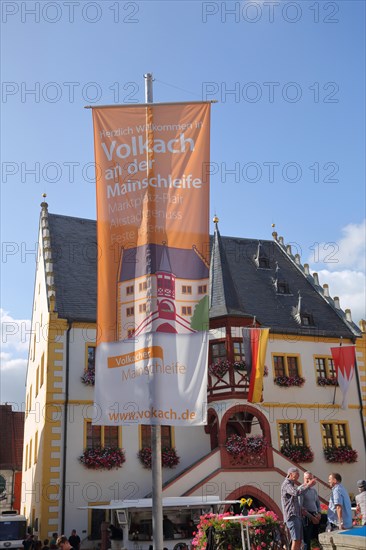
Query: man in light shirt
[339,509]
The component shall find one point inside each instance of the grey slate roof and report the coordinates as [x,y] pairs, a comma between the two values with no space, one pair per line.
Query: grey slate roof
[74,255]
[238,287]
[224,297]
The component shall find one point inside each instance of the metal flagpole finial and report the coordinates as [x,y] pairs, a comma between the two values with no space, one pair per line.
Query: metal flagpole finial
[148,87]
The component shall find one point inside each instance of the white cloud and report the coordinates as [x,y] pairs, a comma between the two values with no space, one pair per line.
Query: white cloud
[13,357]
[14,333]
[342,267]
[350,287]
[348,252]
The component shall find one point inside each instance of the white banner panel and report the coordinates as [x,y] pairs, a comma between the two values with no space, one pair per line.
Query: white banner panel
[157,378]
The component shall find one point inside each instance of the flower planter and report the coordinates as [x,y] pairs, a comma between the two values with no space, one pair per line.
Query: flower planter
[88,377]
[219,369]
[289,381]
[102,458]
[227,533]
[169,457]
[340,454]
[253,445]
[325,381]
[298,453]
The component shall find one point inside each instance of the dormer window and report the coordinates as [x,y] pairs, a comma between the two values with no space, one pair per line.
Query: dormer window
[260,259]
[282,287]
[307,319]
[263,263]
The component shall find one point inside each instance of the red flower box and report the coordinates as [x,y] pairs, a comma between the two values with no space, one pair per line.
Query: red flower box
[169,457]
[340,454]
[103,458]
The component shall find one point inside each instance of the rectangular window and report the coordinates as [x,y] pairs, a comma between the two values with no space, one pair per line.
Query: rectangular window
[130,332]
[279,365]
[307,319]
[218,352]
[30,399]
[111,436]
[286,365]
[102,436]
[282,288]
[202,289]
[90,358]
[325,367]
[334,434]
[36,448]
[186,289]
[331,368]
[142,308]
[321,368]
[238,351]
[93,436]
[42,370]
[142,286]
[292,366]
[186,310]
[166,436]
[26,458]
[129,290]
[30,454]
[285,436]
[292,433]
[37,381]
[130,311]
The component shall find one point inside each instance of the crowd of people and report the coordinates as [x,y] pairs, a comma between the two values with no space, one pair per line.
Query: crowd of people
[300,506]
[55,542]
[302,511]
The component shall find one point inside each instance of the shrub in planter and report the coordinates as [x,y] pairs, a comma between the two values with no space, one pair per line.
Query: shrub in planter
[340,454]
[298,453]
[251,445]
[169,457]
[289,381]
[103,458]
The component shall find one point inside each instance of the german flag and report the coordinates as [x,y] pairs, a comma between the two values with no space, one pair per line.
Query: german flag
[255,346]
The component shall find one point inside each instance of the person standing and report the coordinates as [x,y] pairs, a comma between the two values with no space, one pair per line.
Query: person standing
[29,542]
[53,540]
[74,540]
[292,515]
[339,508]
[361,500]
[63,543]
[310,505]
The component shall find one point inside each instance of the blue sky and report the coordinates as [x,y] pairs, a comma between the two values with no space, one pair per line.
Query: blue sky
[289,78]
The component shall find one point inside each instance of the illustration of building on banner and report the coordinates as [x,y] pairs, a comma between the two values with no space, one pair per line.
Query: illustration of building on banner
[161,289]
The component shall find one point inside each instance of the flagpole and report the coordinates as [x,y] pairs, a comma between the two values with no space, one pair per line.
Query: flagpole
[157,505]
[335,387]
[360,398]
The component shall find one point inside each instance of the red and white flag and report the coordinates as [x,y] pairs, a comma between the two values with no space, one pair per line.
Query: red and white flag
[344,358]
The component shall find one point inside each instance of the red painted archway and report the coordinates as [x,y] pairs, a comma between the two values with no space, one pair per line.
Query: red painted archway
[263,422]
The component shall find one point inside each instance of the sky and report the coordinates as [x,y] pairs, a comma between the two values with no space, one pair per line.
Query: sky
[287,133]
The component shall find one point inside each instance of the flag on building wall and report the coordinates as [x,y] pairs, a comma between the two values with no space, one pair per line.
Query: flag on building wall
[255,347]
[344,358]
[153,263]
